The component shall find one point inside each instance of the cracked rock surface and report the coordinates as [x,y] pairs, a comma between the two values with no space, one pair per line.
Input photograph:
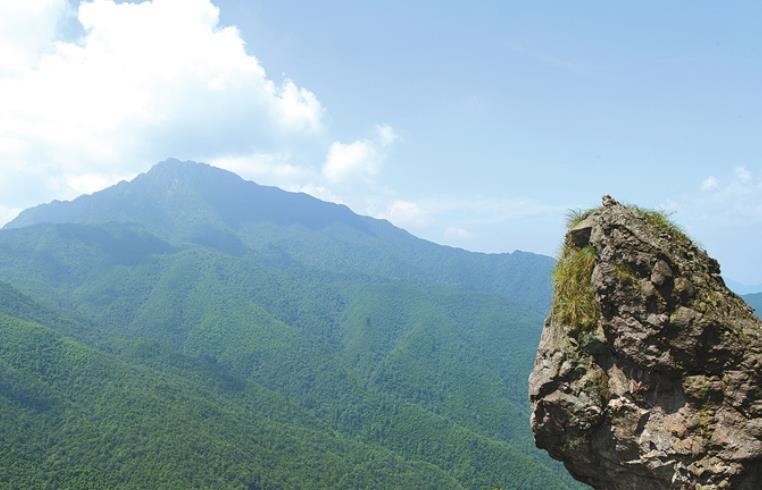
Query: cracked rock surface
[662,388]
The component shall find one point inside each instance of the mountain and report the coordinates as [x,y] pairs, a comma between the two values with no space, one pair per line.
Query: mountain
[287,342]
[741,288]
[648,371]
[76,417]
[192,203]
[755,301]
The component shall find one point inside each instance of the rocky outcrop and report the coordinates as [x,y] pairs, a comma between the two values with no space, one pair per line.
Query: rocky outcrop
[648,371]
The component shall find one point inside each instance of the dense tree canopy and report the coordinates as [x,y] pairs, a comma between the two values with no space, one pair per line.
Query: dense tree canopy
[186,343]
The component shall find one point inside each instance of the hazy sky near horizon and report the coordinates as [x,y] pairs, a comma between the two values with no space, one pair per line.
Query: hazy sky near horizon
[474,124]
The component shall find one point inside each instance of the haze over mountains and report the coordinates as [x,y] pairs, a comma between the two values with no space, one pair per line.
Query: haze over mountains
[755,301]
[190,328]
[186,202]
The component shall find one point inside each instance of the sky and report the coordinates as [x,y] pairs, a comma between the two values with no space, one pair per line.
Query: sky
[472,124]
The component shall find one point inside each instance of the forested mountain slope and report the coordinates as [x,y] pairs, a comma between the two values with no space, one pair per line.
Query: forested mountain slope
[74,417]
[294,316]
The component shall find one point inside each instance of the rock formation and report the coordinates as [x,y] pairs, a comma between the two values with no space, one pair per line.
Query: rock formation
[648,371]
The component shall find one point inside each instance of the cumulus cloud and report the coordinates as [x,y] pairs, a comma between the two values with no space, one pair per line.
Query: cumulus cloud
[26,29]
[145,81]
[361,158]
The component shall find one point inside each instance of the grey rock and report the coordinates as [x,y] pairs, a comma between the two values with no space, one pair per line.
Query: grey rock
[664,390]
[580,234]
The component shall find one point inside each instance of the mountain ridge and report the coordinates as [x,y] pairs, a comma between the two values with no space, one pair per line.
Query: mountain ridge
[64,211]
[212,201]
[173,179]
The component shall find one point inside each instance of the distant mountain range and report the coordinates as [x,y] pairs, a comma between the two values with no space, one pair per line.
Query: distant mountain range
[196,204]
[192,329]
[755,301]
[740,288]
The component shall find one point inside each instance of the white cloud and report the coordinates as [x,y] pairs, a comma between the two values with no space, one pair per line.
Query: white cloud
[272,168]
[89,183]
[386,134]
[743,174]
[464,213]
[735,199]
[362,158]
[317,190]
[146,81]
[726,218]
[26,29]
[406,213]
[475,222]
[453,232]
[709,183]
[7,214]
[347,159]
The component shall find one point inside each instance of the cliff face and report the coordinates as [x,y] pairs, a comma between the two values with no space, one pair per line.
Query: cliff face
[648,371]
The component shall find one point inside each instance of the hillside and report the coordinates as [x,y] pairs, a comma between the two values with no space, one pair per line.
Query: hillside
[291,311]
[73,416]
[755,301]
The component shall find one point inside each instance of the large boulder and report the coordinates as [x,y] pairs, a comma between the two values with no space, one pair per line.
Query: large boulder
[648,370]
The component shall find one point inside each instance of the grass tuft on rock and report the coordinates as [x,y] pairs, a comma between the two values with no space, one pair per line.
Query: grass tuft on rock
[574,300]
[624,274]
[576,216]
[661,220]
[658,218]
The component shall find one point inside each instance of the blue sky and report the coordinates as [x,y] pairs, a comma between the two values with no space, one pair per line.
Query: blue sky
[471,125]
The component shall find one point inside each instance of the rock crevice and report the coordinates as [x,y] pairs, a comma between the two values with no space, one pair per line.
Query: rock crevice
[648,370]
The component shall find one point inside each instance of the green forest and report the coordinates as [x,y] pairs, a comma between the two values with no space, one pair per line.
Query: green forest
[186,344]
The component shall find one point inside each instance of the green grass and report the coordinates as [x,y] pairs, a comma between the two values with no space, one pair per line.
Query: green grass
[576,216]
[660,219]
[624,274]
[574,302]
[656,217]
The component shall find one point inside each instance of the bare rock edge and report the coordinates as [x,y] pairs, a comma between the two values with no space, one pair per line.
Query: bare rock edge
[663,390]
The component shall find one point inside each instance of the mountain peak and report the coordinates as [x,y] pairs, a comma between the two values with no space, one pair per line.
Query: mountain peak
[204,176]
[176,163]
[179,197]
[648,371]
[185,168]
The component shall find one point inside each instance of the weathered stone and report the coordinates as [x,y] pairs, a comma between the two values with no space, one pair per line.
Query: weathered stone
[666,390]
[661,273]
[580,234]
